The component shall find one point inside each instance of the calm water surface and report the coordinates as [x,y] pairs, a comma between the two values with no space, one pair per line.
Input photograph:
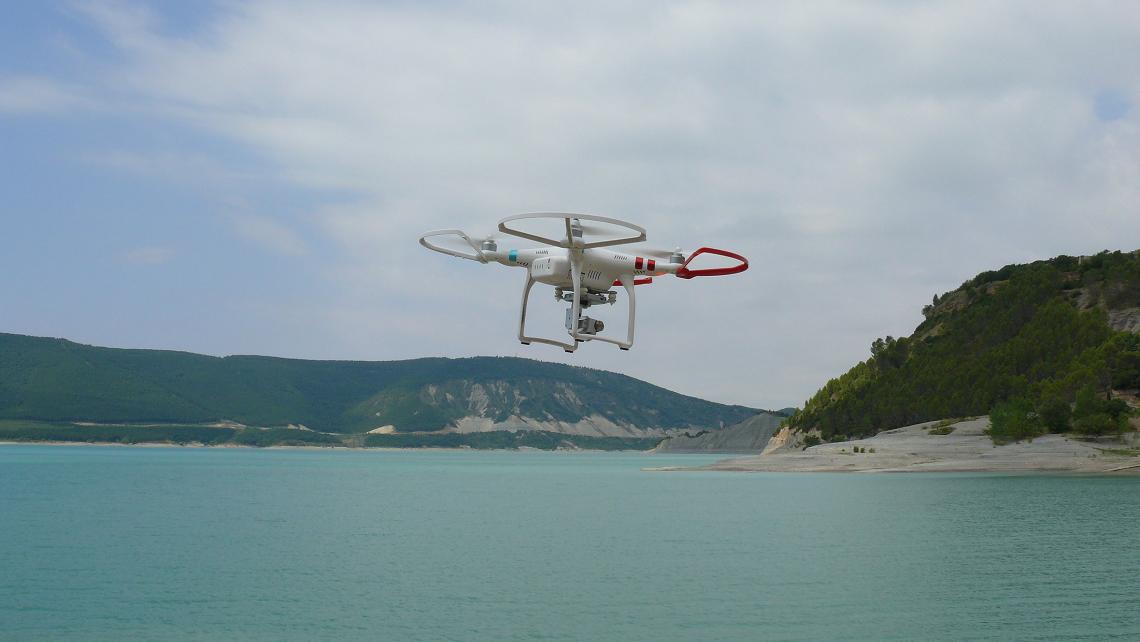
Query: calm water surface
[173,543]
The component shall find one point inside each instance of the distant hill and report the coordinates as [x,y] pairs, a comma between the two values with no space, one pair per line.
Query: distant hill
[748,436]
[55,380]
[1050,345]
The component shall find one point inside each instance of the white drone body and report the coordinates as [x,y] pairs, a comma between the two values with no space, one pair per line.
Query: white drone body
[583,272]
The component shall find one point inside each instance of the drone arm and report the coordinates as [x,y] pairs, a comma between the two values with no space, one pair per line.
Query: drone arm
[474,255]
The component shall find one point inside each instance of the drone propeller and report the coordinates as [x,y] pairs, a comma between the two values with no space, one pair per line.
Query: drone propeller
[659,253]
[574,223]
[596,230]
[490,242]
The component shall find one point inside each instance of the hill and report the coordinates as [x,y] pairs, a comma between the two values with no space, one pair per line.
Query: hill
[1045,346]
[55,381]
[750,435]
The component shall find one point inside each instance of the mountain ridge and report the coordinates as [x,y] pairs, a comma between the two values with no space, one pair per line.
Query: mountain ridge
[51,379]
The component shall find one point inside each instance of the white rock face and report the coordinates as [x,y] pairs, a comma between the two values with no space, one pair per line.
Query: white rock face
[1127,320]
[748,436]
[592,426]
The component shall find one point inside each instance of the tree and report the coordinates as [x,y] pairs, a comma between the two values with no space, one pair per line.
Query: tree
[1095,416]
[1055,413]
[1014,420]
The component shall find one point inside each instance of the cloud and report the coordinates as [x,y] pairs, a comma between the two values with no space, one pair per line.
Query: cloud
[864,156]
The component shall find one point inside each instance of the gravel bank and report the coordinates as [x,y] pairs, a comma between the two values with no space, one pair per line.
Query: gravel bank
[965,449]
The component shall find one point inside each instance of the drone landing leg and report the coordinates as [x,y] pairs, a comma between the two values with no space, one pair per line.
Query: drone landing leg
[576,305]
[627,283]
[523,338]
[522,318]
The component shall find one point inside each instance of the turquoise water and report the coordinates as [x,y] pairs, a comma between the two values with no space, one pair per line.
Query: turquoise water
[172,543]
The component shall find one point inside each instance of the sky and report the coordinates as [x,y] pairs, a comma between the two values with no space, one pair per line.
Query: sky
[252,177]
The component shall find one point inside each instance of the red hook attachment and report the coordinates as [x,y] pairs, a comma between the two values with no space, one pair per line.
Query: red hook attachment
[685,273]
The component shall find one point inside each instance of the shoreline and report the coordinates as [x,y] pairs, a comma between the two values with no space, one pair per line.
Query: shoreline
[155,444]
[965,449]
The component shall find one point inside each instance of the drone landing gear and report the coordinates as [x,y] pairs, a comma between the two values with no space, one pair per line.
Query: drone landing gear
[580,328]
[627,281]
[526,340]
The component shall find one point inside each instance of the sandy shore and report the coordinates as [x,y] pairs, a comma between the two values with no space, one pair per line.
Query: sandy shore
[966,449]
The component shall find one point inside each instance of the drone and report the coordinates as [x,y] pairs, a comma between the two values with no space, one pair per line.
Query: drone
[580,265]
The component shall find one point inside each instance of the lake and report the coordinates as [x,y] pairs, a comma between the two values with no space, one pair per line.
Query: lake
[199,543]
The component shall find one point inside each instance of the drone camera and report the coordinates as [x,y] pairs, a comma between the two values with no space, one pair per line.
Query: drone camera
[586,325]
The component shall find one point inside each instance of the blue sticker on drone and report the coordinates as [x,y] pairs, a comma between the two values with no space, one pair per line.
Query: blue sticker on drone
[513,256]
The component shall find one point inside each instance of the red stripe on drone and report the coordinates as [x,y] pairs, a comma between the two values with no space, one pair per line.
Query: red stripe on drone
[638,262]
[652,265]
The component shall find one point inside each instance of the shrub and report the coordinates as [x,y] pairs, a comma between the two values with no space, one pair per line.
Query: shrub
[1055,413]
[944,427]
[1096,416]
[1014,420]
[1100,423]
[812,440]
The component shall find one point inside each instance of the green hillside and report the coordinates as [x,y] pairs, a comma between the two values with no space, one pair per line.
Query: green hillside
[1041,346]
[54,380]
[39,431]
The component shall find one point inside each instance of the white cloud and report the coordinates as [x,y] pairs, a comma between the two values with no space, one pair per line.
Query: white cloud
[863,155]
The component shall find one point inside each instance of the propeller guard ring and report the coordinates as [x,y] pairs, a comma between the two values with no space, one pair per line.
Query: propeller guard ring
[568,241]
[476,256]
[685,273]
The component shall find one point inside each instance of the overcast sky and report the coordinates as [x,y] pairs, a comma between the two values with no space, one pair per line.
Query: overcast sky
[251,178]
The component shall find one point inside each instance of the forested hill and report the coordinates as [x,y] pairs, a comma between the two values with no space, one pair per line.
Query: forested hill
[57,380]
[1043,344]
